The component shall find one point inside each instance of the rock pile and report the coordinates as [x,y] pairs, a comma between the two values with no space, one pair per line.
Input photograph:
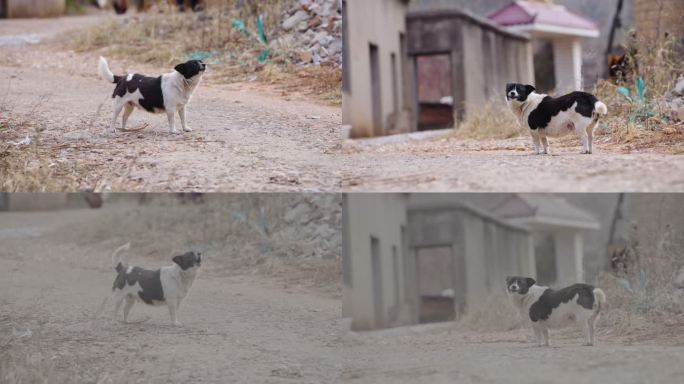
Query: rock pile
[676,100]
[313,30]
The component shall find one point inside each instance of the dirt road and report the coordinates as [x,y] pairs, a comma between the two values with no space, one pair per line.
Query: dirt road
[438,354]
[246,329]
[246,137]
[249,137]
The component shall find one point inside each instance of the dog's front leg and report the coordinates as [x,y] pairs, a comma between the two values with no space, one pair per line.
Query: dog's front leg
[544,141]
[181,113]
[173,309]
[545,334]
[170,113]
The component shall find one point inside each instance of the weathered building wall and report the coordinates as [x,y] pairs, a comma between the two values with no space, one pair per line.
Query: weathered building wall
[380,23]
[373,281]
[477,49]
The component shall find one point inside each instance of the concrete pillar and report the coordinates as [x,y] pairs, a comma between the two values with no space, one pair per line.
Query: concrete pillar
[569,257]
[567,60]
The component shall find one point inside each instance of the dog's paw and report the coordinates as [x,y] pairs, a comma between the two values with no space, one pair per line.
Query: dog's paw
[588,344]
[585,152]
[177,324]
[187,129]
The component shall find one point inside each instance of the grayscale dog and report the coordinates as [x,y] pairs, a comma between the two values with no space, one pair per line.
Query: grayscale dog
[544,308]
[165,286]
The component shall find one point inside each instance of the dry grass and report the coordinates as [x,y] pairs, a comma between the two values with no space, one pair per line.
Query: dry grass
[164,37]
[37,167]
[493,121]
[659,67]
[494,314]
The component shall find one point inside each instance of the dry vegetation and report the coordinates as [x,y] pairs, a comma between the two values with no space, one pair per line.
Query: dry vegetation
[649,122]
[28,165]
[165,36]
[493,121]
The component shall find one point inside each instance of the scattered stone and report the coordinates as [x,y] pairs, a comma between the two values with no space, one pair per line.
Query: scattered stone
[299,17]
[313,30]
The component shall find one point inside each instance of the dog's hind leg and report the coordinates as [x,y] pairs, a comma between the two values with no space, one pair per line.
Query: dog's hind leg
[128,109]
[127,308]
[118,106]
[119,300]
[545,333]
[181,113]
[537,335]
[535,141]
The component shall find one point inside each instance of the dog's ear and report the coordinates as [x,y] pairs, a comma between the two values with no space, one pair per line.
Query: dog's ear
[178,260]
[529,89]
[530,281]
[182,69]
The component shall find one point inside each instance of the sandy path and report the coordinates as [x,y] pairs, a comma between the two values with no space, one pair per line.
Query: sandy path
[447,164]
[247,329]
[246,136]
[413,355]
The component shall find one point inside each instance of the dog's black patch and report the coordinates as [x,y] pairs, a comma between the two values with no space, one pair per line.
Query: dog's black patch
[188,260]
[150,89]
[550,299]
[190,68]
[150,282]
[550,107]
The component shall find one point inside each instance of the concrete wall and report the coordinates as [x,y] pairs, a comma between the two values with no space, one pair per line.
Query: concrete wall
[477,48]
[35,8]
[378,22]
[488,250]
[382,217]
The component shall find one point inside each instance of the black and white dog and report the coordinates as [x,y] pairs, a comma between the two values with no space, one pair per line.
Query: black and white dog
[543,115]
[544,308]
[165,286]
[168,93]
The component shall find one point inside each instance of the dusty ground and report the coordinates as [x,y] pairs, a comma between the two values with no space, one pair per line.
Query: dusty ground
[441,354]
[245,328]
[246,136]
[250,137]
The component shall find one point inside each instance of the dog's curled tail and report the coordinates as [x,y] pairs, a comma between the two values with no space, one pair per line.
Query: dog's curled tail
[116,262]
[103,70]
[600,108]
[599,299]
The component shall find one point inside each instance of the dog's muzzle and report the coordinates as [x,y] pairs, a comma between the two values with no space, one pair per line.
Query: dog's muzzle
[512,95]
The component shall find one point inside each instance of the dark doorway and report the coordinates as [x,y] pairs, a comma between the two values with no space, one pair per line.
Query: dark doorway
[439,295]
[435,92]
[376,90]
[3,9]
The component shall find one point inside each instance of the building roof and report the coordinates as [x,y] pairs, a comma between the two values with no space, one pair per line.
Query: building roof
[442,205]
[541,18]
[545,211]
[454,11]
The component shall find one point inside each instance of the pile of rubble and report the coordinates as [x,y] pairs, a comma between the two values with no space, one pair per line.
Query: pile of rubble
[313,30]
[676,100]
